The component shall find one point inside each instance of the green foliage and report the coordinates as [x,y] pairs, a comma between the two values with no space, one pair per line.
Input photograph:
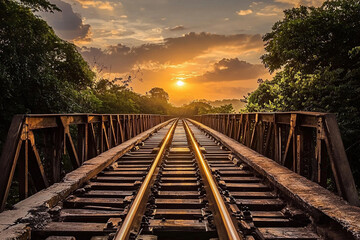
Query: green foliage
[311,38]
[159,93]
[201,107]
[227,108]
[317,54]
[39,72]
[115,97]
[39,5]
[237,104]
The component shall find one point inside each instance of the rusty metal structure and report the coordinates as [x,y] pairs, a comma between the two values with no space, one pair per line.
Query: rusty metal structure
[137,209]
[226,224]
[308,143]
[230,177]
[37,143]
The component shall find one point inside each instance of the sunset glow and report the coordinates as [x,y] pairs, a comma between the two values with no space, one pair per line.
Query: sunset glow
[180,83]
[209,54]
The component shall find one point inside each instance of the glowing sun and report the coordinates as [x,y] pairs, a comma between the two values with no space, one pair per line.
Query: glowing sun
[180,83]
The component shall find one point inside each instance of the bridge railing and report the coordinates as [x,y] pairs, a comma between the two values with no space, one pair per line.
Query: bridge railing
[308,143]
[40,148]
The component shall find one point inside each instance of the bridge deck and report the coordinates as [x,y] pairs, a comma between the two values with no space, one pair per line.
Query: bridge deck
[264,199]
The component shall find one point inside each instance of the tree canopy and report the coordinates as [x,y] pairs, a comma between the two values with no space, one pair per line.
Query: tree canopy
[39,72]
[315,53]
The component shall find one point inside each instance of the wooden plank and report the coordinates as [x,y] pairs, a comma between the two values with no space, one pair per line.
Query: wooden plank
[289,140]
[35,165]
[262,204]
[70,147]
[105,137]
[23,167]
[58,142]
[112,130]
[76,202]
[246,187]
[288,233]
[339,161]
[60,238]
[272,222]
[179,203]
[241,179]
[177,213]
[177,194]
[113,186]
[101,135]
[253,195]
[267,214]
[73,228]
[299,152]
[69,144]
[268,139]
[177,225]
[238,129]
[88,215]
[277,142]
[93,150]
[9,156]
[107,193]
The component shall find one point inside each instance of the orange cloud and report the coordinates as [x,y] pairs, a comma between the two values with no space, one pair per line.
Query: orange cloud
[194,58]
[231,70]
[244,12]
[297,3]
[270,10]
[172,50]
[103,5]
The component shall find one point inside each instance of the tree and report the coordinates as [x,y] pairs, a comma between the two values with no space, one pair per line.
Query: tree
[316,52]
[227,108]
[159,93]
[39,72]
[306,39]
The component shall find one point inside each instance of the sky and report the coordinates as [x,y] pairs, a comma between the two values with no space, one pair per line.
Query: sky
[212,46]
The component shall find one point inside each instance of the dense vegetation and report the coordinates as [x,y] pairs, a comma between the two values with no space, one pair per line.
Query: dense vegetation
[41,73]
[316,53]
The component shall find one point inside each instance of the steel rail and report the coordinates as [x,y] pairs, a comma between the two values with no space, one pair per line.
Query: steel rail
[231,230]
[128,223]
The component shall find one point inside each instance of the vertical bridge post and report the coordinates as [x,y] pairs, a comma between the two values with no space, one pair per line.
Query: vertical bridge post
[37,143]
[305,142]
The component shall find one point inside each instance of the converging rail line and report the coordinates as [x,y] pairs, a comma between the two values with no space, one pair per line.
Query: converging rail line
[183,180]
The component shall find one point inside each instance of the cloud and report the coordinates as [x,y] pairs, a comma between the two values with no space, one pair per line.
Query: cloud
[177,28]
[297,3]
[172,50]
[270,10]
[231,70]
[244,12]
[67,24]
[103,5]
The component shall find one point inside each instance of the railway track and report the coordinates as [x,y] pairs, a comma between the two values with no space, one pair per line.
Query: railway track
[180,183]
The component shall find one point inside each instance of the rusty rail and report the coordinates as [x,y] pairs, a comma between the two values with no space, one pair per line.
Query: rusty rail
[141,197]
[226,227]
[40,148]
[305,142]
